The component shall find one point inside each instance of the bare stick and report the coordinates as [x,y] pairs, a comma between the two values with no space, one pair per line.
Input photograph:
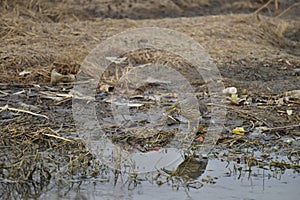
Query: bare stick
[57,137]
[23,111]
[264,6]
[286,10]
[283,127]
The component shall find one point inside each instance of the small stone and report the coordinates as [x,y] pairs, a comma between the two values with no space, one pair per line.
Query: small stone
[296,72]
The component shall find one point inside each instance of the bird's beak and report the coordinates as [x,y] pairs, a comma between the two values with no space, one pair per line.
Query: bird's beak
[173,107]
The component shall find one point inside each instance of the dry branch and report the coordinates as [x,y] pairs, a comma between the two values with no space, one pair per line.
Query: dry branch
[22,111]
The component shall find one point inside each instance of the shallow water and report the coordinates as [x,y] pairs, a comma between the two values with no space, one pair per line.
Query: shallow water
[261,184]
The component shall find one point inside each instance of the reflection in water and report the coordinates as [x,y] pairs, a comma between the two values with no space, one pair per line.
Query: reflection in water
[231,184]
[192,167]
[21,190]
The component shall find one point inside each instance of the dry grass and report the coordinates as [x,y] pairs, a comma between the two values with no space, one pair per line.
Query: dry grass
[41,35]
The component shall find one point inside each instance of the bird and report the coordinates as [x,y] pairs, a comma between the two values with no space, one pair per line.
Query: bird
[191,108]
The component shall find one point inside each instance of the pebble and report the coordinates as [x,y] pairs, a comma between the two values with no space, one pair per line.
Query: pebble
[297,72]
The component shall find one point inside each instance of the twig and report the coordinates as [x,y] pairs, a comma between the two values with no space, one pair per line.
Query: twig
[23,111]
[5,93]
[55,136]
[283,127]
[286,10]
[295,102]
[264,6]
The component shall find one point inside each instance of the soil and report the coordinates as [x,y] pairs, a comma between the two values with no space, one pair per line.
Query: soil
[255,45]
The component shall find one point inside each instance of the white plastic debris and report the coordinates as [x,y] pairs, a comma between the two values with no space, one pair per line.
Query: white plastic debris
[289,112]
[230,90]
[24,73]
[58,78]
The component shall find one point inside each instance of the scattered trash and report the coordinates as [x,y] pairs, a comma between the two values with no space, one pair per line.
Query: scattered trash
[59,78]
[35,155]
[238,131]
[289,112]
[118,103]
[24,73]
[234,96]
[135,105]
[230,90]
